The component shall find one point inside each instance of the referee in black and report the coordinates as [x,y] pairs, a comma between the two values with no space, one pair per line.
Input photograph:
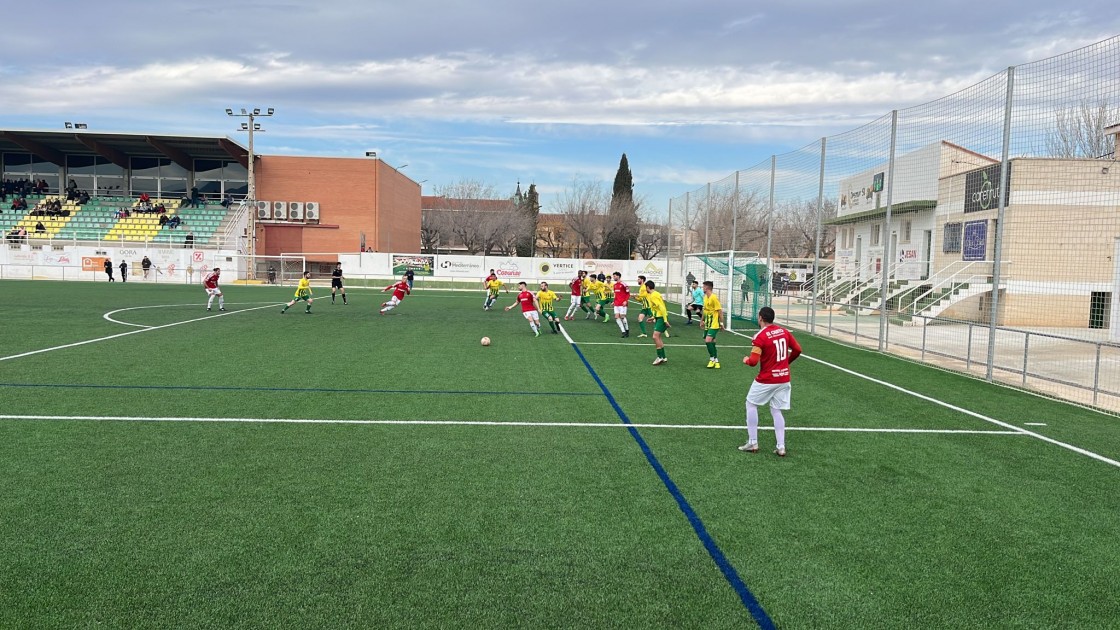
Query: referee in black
[336,283]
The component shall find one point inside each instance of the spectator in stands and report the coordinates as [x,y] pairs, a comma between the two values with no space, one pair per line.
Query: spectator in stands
[146,265]
[124,271]
[83,198]
[188,242]
[109,269]
[144,198]
[40,228]
[162,220]
[22,235]
[20,204]
[194,196]
[174,222]
[227,201]
[160,209]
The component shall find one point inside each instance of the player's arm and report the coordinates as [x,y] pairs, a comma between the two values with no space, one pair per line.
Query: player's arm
[754,357]
[515,302]
[794,349]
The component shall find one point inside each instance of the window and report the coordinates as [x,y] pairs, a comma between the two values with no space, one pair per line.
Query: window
[951,243]
[907,228]
[876,234]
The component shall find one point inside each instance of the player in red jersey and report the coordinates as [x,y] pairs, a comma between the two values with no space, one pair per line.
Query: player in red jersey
[774,348]
[528,303]
[400,289]
[576,286]
[212,290]
[621,300]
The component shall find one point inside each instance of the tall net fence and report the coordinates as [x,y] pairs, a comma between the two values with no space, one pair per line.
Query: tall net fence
[979,232]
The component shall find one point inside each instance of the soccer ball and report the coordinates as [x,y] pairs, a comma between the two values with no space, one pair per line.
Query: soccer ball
[485,341]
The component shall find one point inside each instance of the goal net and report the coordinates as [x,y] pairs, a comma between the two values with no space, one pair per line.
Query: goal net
[740,280]
[279,270]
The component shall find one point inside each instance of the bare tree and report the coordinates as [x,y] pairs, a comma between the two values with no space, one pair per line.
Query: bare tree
[795,230]
[435,230]
[653,238]
[554,240]
[585,207]
[1079,130]
[479,220]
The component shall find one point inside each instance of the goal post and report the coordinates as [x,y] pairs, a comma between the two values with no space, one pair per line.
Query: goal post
[284,270]
[740,279]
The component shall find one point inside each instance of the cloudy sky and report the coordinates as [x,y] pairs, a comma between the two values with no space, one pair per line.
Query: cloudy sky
[503,91]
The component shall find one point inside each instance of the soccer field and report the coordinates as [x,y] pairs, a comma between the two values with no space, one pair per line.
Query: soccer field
[165,466]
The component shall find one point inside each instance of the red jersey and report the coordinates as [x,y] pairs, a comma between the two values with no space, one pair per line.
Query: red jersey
[211,281]
[526,300]
[779,349]
[577,286]
[400,289]
[621,294]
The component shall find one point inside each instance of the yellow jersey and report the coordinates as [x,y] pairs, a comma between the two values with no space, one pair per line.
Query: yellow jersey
[608,290]
[643,295]
[712,309]
[603,290]
[586,284]
[494,286]
[547,300]
[303,288]
[657,305]
[593,288]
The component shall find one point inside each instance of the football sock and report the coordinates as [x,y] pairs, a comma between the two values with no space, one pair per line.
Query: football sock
[711,349]
[642,325]
[779,427]
[210,302]
[533,326]
[625,324]
[621,326]
[752,424]
[221,301]
[661,352]
[344,299]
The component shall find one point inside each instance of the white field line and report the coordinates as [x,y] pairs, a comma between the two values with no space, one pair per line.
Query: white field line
[107,316]
[491,423]
[132,332]
[979,416]
[646,346]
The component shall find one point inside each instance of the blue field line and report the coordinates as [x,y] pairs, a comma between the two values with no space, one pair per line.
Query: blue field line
[328,390]
[725,566]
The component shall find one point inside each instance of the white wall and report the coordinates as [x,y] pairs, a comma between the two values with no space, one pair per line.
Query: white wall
[78,262]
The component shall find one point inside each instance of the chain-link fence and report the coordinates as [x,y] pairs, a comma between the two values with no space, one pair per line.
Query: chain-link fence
[979,232]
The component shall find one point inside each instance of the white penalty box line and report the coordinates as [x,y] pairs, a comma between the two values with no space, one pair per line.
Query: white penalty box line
[495,423]
[134,332]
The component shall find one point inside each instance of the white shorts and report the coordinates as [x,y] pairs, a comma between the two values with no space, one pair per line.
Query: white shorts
[575,300]
[213,291]
[620,310]
[774,394]
[393,301]
[530,315]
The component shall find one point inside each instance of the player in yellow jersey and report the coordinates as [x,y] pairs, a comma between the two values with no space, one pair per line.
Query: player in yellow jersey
[713,315]
[643,292]
[660,318]
[303,292]
[592,296]
[547,300]
[606,296]
[493,286]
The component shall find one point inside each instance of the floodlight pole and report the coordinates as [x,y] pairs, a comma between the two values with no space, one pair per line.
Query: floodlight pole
[252,126]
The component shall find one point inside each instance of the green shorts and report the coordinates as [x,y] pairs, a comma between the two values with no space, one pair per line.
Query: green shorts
[548,314]
[647,312]
[603,304]
[711,332]
[302,297]
[658,324]
[584,299]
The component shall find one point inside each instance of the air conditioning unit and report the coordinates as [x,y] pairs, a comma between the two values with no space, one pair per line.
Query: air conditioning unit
[311,211]
[295,211]
[264,210]
[280,210]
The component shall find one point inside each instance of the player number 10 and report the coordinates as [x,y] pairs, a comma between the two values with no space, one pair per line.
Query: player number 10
[782,349]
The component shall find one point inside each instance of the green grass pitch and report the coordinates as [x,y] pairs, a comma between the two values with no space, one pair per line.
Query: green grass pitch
[431,519]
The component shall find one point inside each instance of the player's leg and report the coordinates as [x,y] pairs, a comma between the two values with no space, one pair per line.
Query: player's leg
[221,301]
[713,354]
[752,429]
[209,299]
[333,289]
[287,306]
[642,323]
[343,291]
[307,304]
[778,403]
[390,305]
[658,330]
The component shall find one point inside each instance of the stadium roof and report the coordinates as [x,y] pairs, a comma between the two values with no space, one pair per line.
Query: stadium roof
[54,146]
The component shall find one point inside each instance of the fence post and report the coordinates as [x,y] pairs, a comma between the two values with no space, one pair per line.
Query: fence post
[734,244]
[707,223]
[770,228]
[817,247]
[885,233]
[1005,165]
[1097,375]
